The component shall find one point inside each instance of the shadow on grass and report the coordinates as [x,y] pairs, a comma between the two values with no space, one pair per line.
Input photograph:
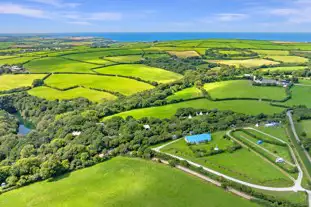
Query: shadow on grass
[61,177]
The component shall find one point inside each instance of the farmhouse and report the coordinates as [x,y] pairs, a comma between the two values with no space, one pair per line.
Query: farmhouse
[199,138]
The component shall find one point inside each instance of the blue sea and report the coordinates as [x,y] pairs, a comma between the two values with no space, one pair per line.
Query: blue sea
[166,36]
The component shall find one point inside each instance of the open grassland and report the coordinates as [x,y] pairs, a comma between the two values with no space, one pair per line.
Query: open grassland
[305,81]
[125,86]
[243,89]
[123,182]
[159,55]
[6,56]
[304,126]
[184,54]
[272,52]
[8,82]
[301,95]
[90,57]
[53,94]
[170,110]
[241,164]
[288,59]
[245,63]
[185,94]
[284,69]
[15,61]
[177,49]
[278,132]
[125,58]
[58,64]
[141,71]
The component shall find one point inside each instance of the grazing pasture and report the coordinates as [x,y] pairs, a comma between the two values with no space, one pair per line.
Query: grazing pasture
[58,64]
[140,182]
[91,57]
[289,59]
[158,55]
[243,89]
[185,94]
[167,111]
[284,69]
[184,54]
[125,58]
[304,126]
[245,63]
[53,94]
[6,56]
[15,60]
[141,71]
[272,52]
[8,82]
[301,95]
[124,86]
[241,164]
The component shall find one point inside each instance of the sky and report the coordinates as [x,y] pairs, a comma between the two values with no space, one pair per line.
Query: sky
[57,16]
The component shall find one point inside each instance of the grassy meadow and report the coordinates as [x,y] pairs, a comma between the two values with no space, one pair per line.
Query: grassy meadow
[124,86]
[53,94]
[167,111]
[15,60]
[184,54]
[245,63]
[91,57]
[271,52]
[185,94]
[141,71]
[301,95]
[243,89]
[58,64]
[8,82]
[284,69]
[140,182]
[125,58]
[289,59]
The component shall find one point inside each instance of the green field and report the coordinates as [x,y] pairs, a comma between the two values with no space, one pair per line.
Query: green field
[58,64]
[289,59]
[241,164]
[284,69]
[125,86]
[8,82]
[301,95]
[272,52]
[125,58]
[245,63]
[278,132]
[142,71]
[168,111]
[123,182]
[15,61]
[6,56]
[304,126]
[53,94]
[185,94]
[243,89]
[184,54]
[90,57]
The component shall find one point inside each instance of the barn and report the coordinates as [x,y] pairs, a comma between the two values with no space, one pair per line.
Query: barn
[199,138]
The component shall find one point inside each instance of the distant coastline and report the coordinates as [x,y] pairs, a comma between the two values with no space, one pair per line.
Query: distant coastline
[167,36]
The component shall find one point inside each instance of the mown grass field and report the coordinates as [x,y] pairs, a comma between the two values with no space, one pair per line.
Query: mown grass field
[142,71]
[284,69]
[185,94]
[8,82]
[168,111]
[301,95]
[272,52]
[245,63]
[289,59]
[58,64]
[125,58]
[184,54]
[15,61]
[125,86]
[241,164]
[53,94]
[243,89]
[278,132]
[123,182]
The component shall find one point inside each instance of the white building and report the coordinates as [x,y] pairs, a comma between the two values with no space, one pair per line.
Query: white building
[76,133]
[147,127]
[279,160]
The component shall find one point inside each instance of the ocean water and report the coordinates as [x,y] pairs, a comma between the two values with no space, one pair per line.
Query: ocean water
[166,36]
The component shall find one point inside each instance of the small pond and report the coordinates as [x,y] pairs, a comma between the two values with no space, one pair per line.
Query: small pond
[24,126]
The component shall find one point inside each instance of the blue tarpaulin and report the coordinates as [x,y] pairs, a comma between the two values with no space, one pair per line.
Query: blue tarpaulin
[195,139]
